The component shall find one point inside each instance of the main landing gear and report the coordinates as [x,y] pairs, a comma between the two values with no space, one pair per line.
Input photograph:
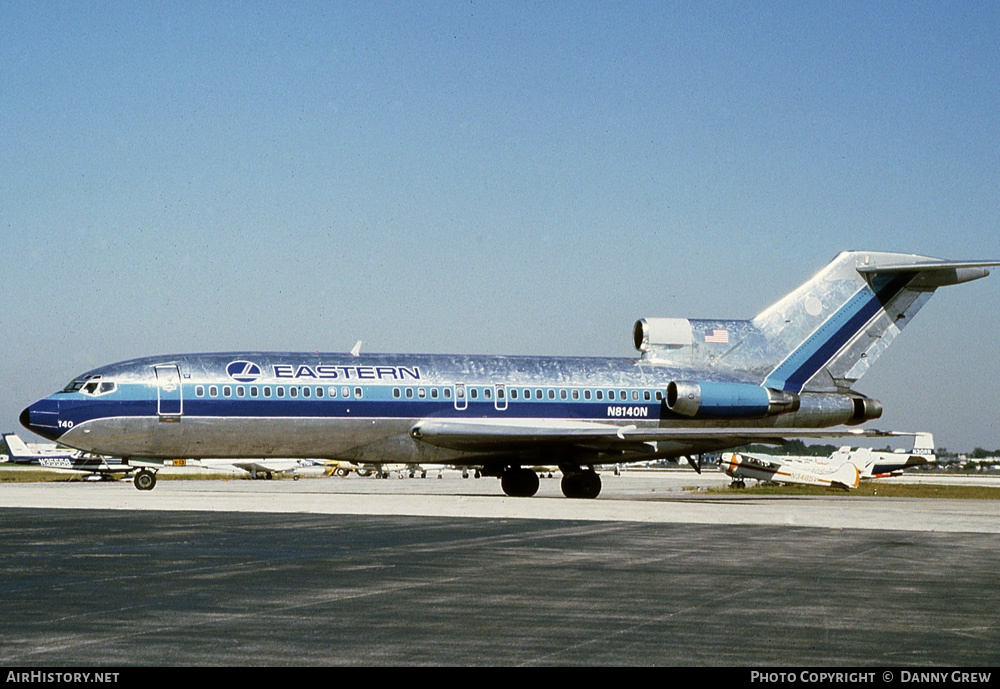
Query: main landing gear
[518,482]
[584,484]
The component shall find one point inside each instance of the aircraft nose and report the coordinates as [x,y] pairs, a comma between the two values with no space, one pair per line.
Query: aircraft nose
[42,418]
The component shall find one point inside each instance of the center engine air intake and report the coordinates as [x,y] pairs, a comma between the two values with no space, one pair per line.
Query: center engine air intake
[661,333]
[728,399]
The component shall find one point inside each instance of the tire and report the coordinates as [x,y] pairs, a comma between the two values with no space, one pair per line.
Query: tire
[144,480]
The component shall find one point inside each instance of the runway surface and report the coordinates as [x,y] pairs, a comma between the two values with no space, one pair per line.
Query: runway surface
[451,572]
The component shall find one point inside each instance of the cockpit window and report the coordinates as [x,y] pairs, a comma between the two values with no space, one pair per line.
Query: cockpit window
[92,387]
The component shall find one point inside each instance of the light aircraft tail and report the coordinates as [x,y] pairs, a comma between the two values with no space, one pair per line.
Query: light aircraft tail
[16,449]
[822,337]
[923,445]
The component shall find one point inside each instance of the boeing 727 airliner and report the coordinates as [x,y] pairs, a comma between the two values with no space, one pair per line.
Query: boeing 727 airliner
[696,386]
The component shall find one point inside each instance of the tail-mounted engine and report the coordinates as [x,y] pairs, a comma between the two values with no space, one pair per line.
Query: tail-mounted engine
[865,409]
[650,334]
[728,399]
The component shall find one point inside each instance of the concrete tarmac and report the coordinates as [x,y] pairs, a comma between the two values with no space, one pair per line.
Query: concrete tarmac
[451,572]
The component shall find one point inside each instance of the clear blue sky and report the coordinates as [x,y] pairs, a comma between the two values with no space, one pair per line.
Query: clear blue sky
[508,177]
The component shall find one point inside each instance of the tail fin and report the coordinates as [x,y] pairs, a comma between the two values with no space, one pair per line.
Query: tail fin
[847,475]
[16,448]
[923,446]
[828,332]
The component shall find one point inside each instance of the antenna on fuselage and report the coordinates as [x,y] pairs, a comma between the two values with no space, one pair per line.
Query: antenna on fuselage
[356,349]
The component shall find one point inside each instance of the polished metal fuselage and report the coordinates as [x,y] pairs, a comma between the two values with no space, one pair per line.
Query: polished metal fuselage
[337,406]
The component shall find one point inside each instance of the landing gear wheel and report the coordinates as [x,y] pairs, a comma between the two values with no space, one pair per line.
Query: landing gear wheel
[581,484]
[144,479]
[519,483]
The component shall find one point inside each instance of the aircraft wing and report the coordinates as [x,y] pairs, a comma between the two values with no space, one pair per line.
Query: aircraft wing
[263,466]
[496,435]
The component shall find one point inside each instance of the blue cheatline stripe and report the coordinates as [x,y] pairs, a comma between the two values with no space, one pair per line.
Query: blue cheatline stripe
[348,409]
[802,364]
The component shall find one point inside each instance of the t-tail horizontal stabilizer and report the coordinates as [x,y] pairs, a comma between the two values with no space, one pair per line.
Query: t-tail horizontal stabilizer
[830,330]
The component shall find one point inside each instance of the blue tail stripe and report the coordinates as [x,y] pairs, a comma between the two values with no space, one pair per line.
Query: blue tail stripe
[802,364]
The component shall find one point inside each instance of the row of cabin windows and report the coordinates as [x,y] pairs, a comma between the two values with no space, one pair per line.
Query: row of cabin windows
[278,391]
[422,393]
[534,393]
[474,393]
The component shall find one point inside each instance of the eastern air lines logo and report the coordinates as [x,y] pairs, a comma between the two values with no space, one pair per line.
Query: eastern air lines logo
[243,371]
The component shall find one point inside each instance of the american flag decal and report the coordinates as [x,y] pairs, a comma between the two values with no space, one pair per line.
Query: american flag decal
[717,336]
